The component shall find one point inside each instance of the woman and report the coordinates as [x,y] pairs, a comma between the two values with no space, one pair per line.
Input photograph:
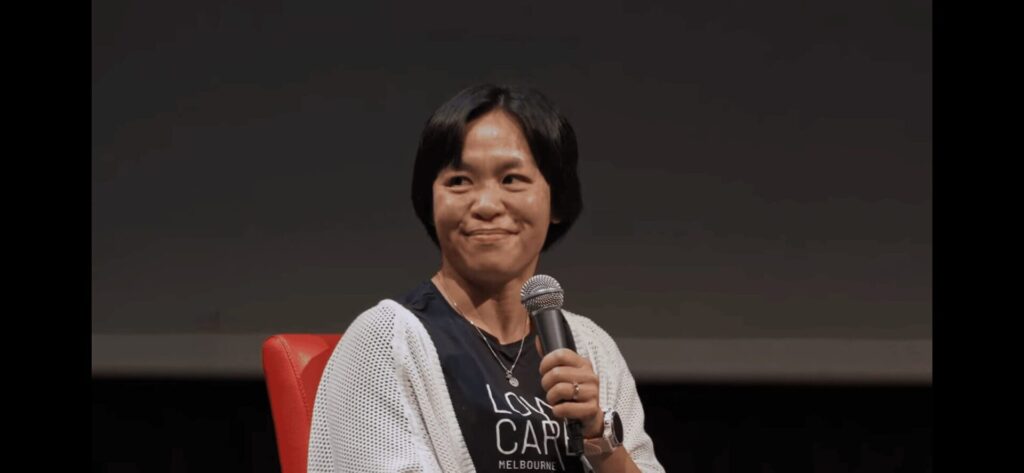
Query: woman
[449,377]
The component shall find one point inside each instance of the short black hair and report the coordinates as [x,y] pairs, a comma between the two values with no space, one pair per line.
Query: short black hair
[550,136]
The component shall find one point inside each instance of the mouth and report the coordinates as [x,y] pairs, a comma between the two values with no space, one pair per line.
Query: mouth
[488,235]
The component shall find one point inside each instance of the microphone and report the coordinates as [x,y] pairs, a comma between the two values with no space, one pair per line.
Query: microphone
[543,298]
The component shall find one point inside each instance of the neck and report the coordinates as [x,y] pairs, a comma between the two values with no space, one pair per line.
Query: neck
[495,308]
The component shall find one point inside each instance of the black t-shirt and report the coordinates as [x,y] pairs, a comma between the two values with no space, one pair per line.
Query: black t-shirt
[506,428]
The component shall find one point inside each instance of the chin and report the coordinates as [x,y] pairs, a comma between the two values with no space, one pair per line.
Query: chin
[491,270]
[495,270]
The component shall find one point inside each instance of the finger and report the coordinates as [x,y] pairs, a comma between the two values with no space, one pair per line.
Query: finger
[567,374]
[566,392]
[582,411]
[589,414]
[561,356]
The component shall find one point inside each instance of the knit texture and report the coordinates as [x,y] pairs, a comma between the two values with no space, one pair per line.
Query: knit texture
[382,404]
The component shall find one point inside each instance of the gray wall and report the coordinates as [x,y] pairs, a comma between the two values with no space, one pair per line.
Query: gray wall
[751,170]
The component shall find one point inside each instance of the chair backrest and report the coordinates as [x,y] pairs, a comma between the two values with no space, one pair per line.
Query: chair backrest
[292,366]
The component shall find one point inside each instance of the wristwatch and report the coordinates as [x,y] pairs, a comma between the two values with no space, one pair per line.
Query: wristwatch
[610,438]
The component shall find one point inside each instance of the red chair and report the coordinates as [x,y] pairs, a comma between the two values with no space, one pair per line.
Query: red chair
[292,366]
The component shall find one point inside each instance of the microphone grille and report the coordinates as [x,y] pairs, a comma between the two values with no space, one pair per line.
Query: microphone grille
[542,292]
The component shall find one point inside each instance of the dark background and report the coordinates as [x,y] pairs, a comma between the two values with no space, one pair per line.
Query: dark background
[751,170]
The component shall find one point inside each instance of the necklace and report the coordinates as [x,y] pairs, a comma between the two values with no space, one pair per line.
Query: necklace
[508,371]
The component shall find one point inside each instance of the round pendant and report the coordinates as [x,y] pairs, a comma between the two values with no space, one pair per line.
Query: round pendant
[513,381]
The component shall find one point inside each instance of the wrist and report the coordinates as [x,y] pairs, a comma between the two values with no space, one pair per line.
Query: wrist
[609,438]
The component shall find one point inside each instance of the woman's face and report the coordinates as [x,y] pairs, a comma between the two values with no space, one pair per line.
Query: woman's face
[492,212]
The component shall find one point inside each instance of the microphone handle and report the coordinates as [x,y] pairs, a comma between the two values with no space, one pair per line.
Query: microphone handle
[574,438]
[551,329]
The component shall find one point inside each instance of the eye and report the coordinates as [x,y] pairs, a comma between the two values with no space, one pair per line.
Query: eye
[456,181]
[512,178]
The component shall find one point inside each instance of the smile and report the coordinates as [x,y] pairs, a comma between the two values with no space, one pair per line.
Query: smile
[489,235]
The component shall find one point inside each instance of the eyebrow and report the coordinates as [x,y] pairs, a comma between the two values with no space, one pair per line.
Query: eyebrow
[508,163]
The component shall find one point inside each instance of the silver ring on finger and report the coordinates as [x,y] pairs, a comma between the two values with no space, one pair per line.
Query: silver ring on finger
[575,390]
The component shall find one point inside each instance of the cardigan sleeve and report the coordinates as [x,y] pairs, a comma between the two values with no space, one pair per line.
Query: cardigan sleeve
[365,418]
[618,390]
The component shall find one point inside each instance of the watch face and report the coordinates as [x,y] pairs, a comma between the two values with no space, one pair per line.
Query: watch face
[617,426]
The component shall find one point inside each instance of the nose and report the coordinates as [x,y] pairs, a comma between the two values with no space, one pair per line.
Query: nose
[488,203]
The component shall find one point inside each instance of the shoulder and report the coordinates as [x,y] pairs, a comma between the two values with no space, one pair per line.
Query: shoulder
[387,312]
[391,314]
[380,326]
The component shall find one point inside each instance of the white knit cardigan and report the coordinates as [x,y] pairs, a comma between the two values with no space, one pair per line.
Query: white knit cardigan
[383,406]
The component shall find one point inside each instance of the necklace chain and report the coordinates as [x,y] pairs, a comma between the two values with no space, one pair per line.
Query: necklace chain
[508,371]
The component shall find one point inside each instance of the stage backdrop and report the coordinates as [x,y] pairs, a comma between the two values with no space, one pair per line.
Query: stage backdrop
[756,175]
